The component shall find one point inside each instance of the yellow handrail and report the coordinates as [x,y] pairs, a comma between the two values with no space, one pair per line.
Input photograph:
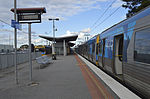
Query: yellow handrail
[118,55]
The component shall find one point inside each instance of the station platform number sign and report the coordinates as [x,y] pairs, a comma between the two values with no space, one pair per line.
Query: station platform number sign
[15,24]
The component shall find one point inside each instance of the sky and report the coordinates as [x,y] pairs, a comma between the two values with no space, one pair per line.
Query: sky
[77,17]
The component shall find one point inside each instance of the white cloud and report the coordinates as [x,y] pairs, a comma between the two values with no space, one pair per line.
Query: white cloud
[59,8]
[88,30]
[82,35]
[118,3]
[69,33]
[6,38]
[37,40]
[54,8]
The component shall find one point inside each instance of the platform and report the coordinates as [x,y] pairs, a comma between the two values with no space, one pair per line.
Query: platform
[68,77]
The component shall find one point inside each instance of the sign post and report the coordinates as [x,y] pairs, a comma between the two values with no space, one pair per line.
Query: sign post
[30,57]
[15,43]
[29,16]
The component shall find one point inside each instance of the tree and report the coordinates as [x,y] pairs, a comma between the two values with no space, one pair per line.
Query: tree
[134,6]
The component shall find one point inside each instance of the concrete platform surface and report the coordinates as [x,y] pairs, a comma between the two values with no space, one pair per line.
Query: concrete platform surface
[68,77]
[60,80]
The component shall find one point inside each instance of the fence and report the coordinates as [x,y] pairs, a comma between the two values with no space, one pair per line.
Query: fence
[7,60]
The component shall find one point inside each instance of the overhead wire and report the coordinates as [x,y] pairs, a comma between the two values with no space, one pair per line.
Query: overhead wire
[5,22]
[106,18]
[93,26]
[103,14]
[20,31]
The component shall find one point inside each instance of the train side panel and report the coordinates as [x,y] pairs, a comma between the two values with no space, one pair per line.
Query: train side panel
[137,66]
[108,54]
[124,51]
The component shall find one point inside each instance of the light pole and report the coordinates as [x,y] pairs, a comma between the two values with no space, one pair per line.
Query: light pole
[53,44]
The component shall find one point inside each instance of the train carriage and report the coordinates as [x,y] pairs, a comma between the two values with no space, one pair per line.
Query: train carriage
[124,51]
[91,44]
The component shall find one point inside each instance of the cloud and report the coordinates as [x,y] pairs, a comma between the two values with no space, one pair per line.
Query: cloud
[88,30]
[5,7]
[118,3]
[82,35]
[37,40]
[69,33]
[55,8]
[6,38]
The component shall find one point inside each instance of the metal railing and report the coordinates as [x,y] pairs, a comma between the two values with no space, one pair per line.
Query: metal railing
[7,59]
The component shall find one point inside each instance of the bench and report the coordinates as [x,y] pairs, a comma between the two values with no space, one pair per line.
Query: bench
[43,60]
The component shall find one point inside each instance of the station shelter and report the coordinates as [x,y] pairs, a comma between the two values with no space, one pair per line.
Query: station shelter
[63,44]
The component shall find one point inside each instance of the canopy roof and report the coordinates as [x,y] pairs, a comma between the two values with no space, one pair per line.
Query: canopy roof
[71,44]
[61,39]
[30,10]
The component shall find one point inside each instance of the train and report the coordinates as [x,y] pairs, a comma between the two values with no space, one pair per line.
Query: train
[44,49]
[123,51]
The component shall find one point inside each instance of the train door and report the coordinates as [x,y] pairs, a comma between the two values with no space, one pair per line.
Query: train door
[97,50]
[88,51]
[103,53]
[96,54]
[118,53]
[100,52]
[93,50]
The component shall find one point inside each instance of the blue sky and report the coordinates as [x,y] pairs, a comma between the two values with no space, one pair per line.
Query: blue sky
[76,17]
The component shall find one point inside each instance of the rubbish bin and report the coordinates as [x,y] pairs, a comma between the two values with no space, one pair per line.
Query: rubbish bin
[53,56]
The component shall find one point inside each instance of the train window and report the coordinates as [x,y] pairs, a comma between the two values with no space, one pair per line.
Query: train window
[93,47]
[85,49]
[120,51]
[142,46]
[100,47]
[97,48]
[103,47]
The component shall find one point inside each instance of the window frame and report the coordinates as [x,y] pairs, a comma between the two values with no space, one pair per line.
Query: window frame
[101,47]
[136,31]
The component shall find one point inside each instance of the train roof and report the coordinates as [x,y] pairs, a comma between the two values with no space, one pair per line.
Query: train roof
[92,39]
[137,16]
[140,14]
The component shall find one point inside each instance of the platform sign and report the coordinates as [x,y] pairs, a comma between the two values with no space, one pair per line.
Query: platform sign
[28,16]
[15,24]
[31,18]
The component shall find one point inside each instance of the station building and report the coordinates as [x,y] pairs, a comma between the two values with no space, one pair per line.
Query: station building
[63,44]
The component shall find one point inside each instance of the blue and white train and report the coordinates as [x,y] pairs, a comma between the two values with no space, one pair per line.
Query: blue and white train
[123,51]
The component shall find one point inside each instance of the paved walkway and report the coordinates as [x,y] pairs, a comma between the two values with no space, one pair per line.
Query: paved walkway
[60,80]
[66,78]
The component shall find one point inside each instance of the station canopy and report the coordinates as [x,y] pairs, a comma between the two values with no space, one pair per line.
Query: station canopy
[61,39]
